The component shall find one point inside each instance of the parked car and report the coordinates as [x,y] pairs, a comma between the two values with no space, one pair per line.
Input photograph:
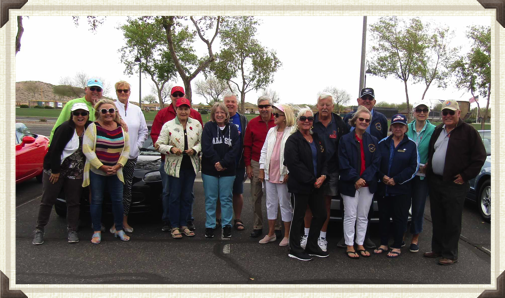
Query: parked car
[146,189]
[30,151]
[480,186]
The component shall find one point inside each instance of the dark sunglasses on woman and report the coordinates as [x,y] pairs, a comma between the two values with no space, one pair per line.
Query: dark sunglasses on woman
[422,110]
[111,111]
[123,90]
[303,118]
[77,113]
[363,119]
[277,115]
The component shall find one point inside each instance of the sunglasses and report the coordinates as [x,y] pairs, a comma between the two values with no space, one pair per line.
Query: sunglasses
[303,118]
[123,90]
[111,111]
[77,113]
[277,115]
[363,119]
[448,112]
[264,106]
[421,110]
[98,89]
[178,94]
[367,98]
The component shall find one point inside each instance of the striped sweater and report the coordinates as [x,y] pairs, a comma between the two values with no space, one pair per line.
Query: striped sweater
[93,147]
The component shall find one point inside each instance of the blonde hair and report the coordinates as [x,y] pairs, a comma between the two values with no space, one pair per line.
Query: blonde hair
[302,112]
[361,109]
[116,119]
[288,114]
[122,84]
[222,107]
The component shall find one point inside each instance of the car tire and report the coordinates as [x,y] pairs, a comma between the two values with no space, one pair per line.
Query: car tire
[484,200]
[62,212]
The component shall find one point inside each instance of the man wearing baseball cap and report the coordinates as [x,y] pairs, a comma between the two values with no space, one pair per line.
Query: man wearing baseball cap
[92,94]
[164,115]
[455,156]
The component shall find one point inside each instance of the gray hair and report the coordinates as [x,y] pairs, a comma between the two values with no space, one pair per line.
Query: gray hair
[324,95]
[263,98]
[230,94]
[361,109]
[302,112]
[221,106]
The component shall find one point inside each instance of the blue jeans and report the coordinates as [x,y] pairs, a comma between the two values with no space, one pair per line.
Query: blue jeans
[218,187]
[166,192]
[98,184]
[180,197]
[419,195]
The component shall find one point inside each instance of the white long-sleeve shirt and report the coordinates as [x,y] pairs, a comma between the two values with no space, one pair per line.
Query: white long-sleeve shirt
[137,126]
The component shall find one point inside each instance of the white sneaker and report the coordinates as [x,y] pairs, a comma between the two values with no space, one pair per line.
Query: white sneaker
[323,244]
[303,242]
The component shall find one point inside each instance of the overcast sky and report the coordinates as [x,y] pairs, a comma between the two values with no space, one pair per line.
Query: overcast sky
[316,52]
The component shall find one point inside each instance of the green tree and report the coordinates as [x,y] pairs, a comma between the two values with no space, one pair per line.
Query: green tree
[472,71]
[150,98]
[211,89]
[145,39]
[243,62]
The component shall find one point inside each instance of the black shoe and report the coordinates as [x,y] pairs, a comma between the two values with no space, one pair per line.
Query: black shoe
[38,237]
[256,233]
[369,244]
[278,234]
[226,233]
[72,237]
[209,233]
[166,227]
[191,226]
[300,256]
[319,253]
[341,243]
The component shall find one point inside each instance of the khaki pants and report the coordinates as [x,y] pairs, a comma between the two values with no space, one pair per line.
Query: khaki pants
[257,194]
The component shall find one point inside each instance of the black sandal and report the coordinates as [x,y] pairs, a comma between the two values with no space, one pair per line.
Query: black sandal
[362,253]
[239,225]
[352,254]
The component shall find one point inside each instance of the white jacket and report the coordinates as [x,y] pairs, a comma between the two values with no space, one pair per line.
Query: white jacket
[137,127]
[267,150]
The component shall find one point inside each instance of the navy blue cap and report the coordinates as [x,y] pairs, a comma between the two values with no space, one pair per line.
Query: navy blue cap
[366,91]
[399,118]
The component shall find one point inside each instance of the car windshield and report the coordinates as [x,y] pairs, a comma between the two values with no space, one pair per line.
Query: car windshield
[486,139]
[147,147]
[21,131]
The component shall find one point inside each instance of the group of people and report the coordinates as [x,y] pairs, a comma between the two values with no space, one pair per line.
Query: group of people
[302,161]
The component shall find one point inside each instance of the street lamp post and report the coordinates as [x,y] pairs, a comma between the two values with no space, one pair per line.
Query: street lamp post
[368,71]
[137,60]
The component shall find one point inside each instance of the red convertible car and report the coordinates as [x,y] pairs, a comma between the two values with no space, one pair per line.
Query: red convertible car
[30,152]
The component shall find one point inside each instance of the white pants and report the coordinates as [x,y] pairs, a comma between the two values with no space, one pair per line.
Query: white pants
[277,194]
[357,206]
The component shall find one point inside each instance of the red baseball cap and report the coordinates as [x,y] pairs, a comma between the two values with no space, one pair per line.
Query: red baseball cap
[177,89]
[183,101]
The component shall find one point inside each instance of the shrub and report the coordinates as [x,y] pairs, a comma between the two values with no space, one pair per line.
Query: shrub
[48,107]
[43,120]
[203,112]
[38,107]
[24,106]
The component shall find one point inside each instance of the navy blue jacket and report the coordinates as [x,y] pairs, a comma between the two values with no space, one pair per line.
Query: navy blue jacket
[378,126]
[331,138]
[349,159]
[219,146]
[400,163]
[298,159]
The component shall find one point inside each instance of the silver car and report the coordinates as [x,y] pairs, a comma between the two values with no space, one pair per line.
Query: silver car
[480,186]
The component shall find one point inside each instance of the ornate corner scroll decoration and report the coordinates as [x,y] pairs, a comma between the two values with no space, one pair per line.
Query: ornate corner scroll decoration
[5,5]
[500,9]
[499,292]
[4,288]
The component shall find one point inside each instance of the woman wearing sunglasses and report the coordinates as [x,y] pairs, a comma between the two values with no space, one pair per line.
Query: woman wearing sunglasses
[399,164]
[359,160]
[420,130]
[137,133]
[63,170]
[106,146]
[274,173]
[180,141]
[304,157]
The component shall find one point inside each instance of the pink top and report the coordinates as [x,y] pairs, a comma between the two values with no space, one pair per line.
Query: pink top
[275,160]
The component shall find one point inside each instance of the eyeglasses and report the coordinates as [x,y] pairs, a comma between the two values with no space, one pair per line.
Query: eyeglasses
[277,115]
[123,90]
[363,119]
[421,110]
[111,111]
[77,113]
[98,89]
[367,98]
[177,94]
[448,112]
[264,106]
[303,118]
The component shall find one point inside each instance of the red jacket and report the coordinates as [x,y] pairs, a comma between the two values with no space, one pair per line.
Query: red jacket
[165,115]
[254,137]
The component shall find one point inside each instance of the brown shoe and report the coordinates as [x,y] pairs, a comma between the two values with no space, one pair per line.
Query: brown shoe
[431,254]
[444,261]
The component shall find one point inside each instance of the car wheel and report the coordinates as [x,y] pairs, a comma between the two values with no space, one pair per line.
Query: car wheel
[485,200]
[62,212]
[39,177]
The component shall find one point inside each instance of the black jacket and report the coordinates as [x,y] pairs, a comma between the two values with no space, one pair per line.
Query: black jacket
[243,123]
[219,146]
[298,159]
[332,139]
[62,135]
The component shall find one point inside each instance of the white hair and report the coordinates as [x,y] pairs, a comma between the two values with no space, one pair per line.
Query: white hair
[302,112]
[263,98]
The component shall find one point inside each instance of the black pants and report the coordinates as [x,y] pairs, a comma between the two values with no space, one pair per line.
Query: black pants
[72,189]
[316,203]
[447,200]
[396,207]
